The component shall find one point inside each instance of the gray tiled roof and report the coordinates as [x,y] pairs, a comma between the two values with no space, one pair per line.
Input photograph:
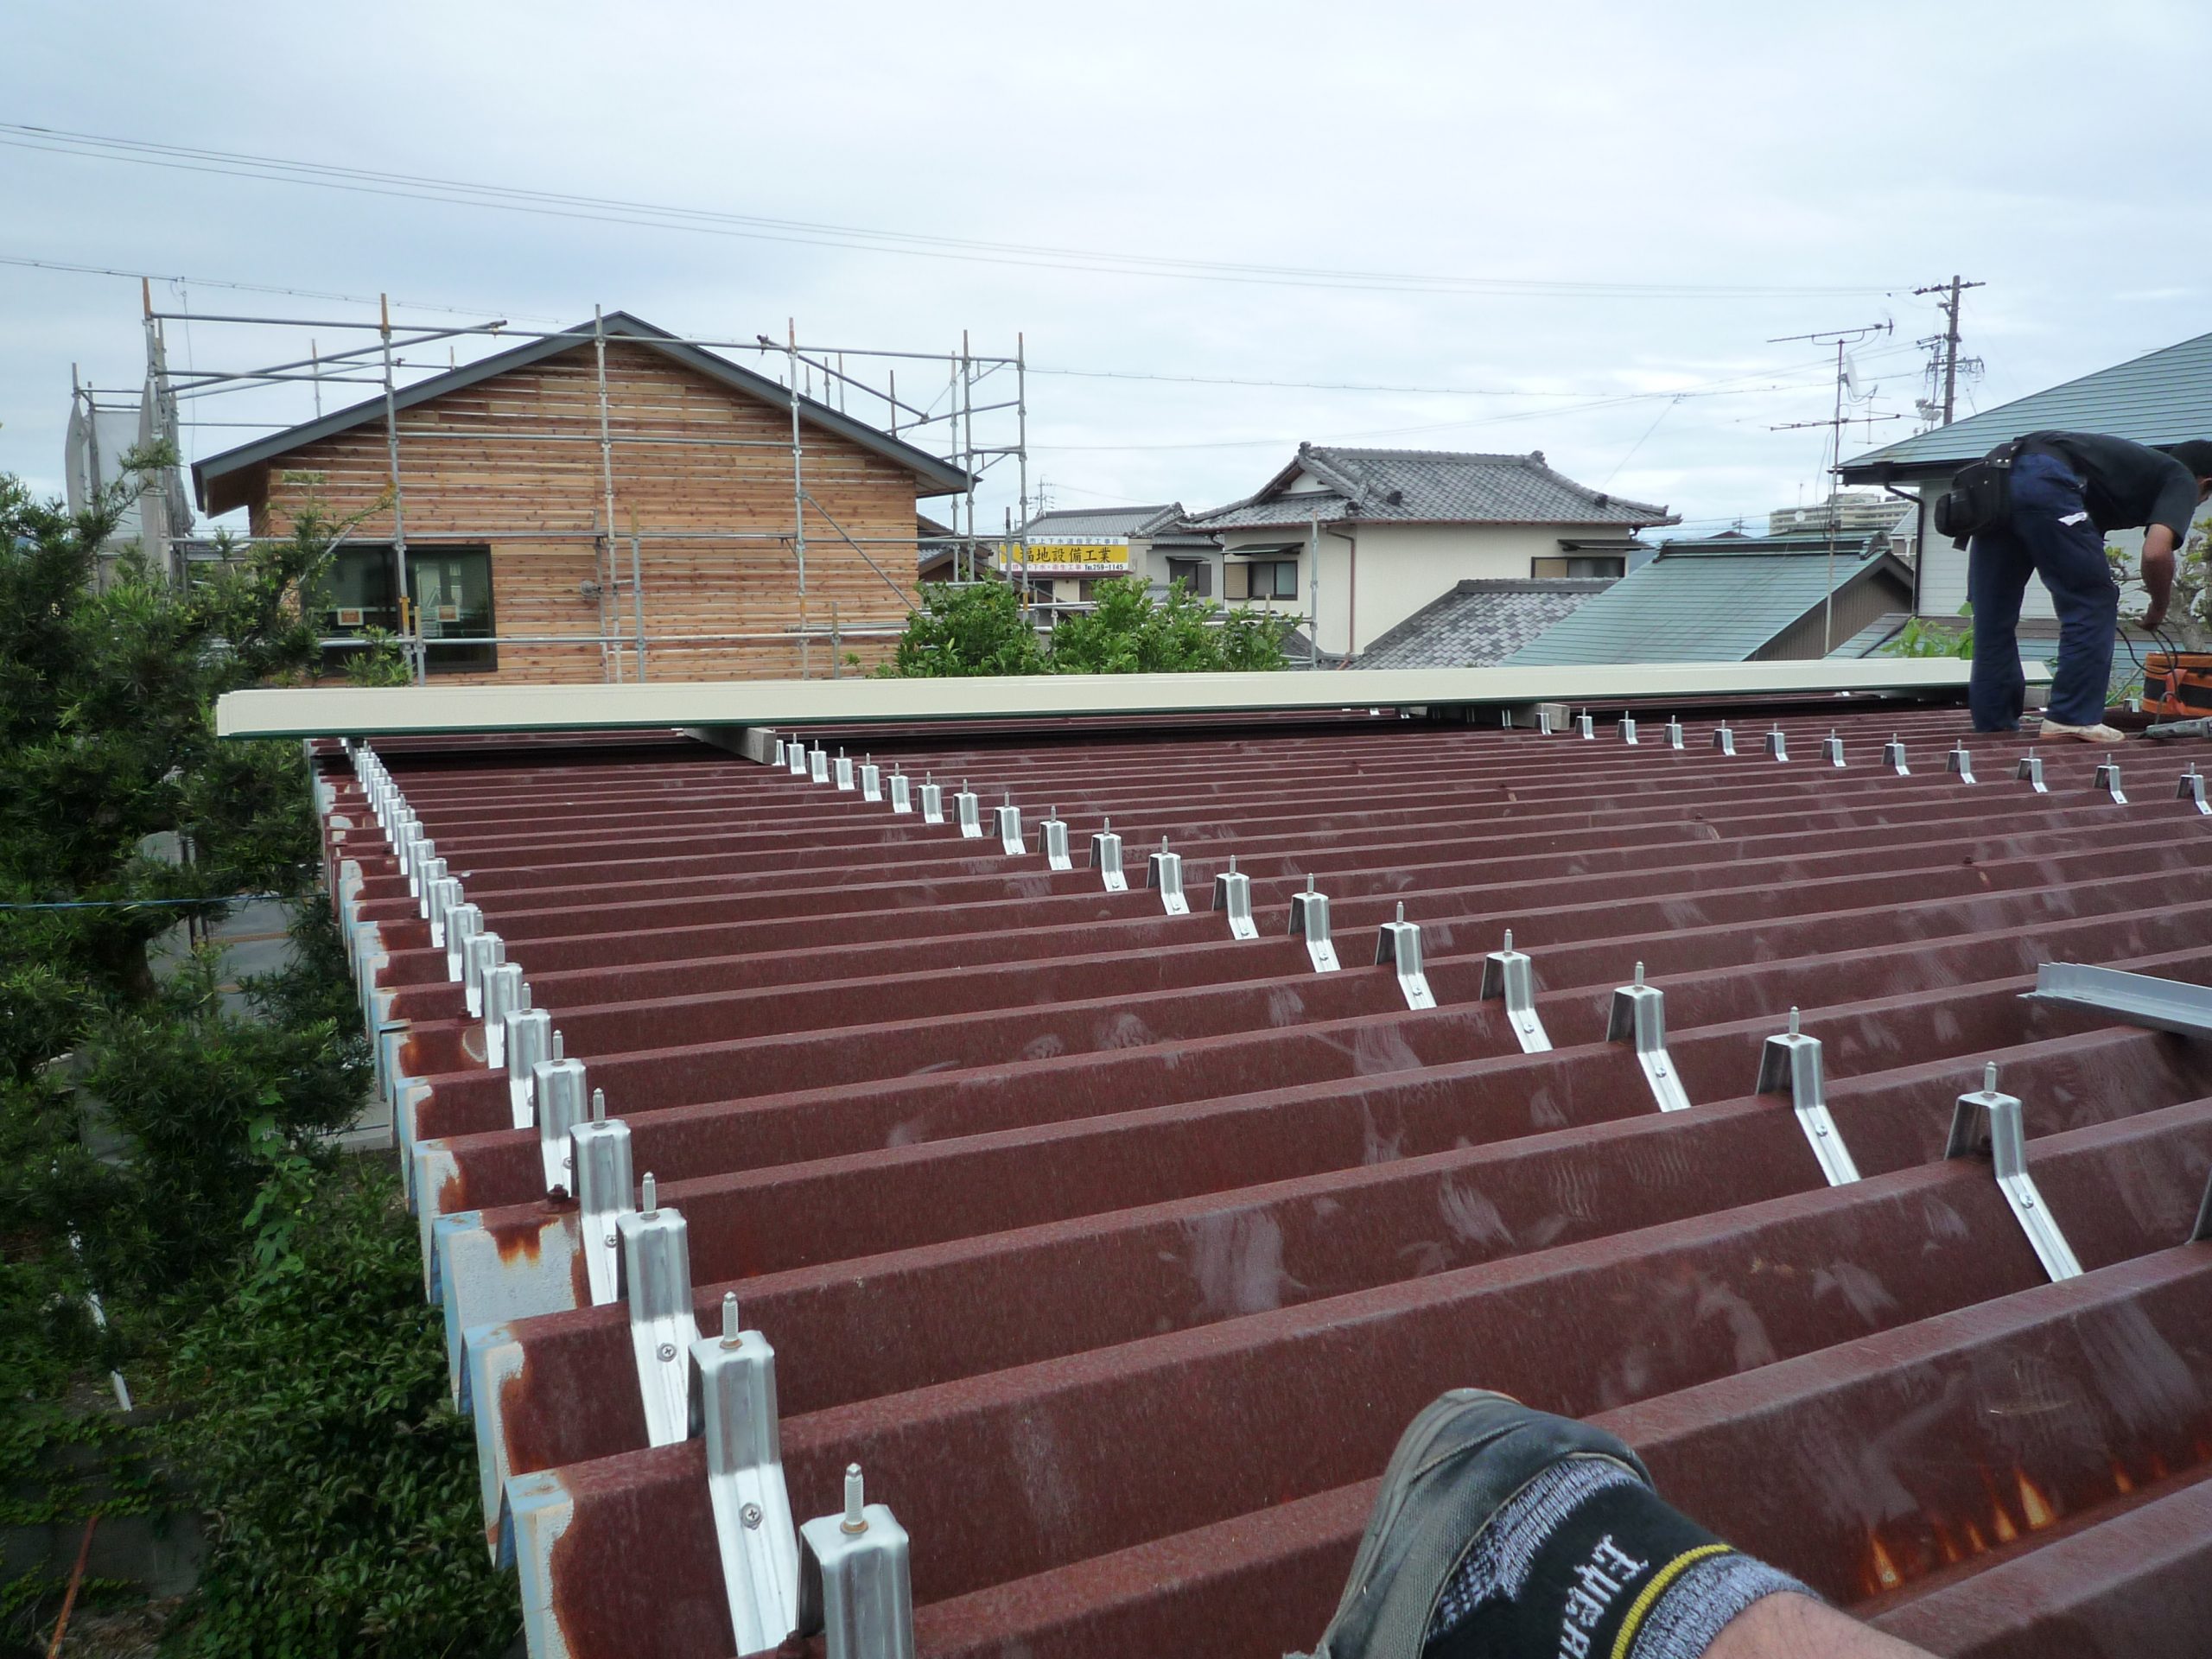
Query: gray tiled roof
[1873,639]
[1708,602]
[1075,522]
[2162,397]
[1480,622]
[1427,487]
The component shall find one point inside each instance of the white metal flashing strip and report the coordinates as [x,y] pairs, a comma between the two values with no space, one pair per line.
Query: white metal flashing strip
[662,705]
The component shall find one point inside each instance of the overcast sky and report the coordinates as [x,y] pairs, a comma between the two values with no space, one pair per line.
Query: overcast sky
[1598,202]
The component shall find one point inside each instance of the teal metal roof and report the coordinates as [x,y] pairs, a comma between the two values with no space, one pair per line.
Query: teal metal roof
[2160,399]
[1706,602]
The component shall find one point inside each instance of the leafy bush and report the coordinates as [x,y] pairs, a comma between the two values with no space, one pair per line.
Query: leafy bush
[980,629]
[971,630]
[339,1483]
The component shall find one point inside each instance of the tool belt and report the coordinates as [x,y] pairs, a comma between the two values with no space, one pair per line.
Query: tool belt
[2177,683]
[1980,496]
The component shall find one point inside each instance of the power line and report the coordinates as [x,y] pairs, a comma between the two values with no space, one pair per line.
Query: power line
[663,216]
[255,287]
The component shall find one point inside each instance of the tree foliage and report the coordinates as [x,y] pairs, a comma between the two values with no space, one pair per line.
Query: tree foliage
[980,629]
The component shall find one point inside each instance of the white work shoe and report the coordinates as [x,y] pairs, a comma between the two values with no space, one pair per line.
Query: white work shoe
[2084,734]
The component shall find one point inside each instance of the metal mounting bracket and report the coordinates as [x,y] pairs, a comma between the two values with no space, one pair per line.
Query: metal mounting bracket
[867,1600]
[1832,750]
[2030,771]
[932,801]
[1673,732]
[797,756]
[438,904]
[1790,1064]
[843,771]
[1585,727]
[1008,825]
[1164,870]
[736,1393]
[780,759]
[1639,1018]
[483,952]
[1628,730]
[1960,761]
[1509,974]
[967,812]
[1893,756]
[1309,920]
[2192,788]
[504,994]
[657,1283]
[528,1038]
[817,764]
[2136,999]
[902,795]
[2106,780]
[463,922]
[1232,892]
[871,781]
[1054,832]
[1988,1118]
[600,1154]
[1723,738]
[1398,943]
[560,1087]
[427,874]
[1777,744]
[1106,859]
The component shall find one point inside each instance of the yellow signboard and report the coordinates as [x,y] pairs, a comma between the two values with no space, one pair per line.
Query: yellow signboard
[1103,558]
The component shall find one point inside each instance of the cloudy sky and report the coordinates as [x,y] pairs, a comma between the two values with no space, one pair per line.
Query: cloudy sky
[1575,227]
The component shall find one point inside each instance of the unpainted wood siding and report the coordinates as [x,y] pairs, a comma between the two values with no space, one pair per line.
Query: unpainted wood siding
[514,463]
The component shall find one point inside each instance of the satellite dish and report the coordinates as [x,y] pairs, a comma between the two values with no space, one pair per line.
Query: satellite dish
[1850,375]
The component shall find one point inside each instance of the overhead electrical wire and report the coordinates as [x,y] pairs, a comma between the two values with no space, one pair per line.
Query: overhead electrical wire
[754,226]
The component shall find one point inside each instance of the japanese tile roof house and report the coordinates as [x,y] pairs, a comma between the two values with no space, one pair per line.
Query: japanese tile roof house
[1391,529]
[1733,598]
[519,524]
[1116,1248]
[1482,621]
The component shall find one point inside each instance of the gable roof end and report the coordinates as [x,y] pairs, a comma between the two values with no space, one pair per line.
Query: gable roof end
[235,463]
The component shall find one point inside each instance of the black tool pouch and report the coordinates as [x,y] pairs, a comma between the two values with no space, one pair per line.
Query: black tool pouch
[1980,496]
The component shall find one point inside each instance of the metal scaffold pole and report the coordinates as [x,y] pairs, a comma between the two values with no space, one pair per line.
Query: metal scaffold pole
[798,509]
[409,613]
[610,659]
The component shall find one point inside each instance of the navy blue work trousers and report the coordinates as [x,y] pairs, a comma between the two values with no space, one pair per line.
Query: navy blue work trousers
[2051,536]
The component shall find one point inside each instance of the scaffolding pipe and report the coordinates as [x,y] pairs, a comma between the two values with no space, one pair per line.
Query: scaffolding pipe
[611,665]
[798,501]
[409,610]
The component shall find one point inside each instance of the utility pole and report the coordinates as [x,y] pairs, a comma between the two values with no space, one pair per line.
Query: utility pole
[1948,340]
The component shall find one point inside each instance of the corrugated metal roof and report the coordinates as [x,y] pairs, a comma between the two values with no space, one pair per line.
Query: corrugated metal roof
[1117,1250]
[1708,602]
[1427,487]
[2163,397]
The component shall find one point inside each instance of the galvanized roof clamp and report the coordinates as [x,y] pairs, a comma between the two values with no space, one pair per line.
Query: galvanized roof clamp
[781,758]
[528,1039]
[871,779]
[902,793]
[842,772]
[1675,732]
[428,868]
[1106,859]
[1164,870]
[933,799]
[1509,974]
[796,755]
[1309,920]
[1398,943]
[1831,749]
[817,764]
[1960,761]
[1893,756]
[1777,743]
[655,1267]
[2192,788]
[2107,781]
[736,1412]
[557,1086]
[1008,825]
[1986,1118]
[2030,771]
[481,951]
[1790,1063]
[855,1585]
[504,993]
[1639,1018]
[1054,830]
[599,1155]
[444,899]
[1232,892]
[1628,730]
[968,813]
[1723,738]
[1585,727]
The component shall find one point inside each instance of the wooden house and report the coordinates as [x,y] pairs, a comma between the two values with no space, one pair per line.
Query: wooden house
[563,522]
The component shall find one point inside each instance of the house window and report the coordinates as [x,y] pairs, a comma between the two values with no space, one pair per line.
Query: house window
[1260,579]
[1580,564]
[1195,574]
[452,590]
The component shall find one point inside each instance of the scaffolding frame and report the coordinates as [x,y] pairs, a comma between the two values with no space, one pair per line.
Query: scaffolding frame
[625,643]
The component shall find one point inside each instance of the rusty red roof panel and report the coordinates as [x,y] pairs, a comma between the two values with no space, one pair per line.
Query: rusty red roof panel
[1117,1248]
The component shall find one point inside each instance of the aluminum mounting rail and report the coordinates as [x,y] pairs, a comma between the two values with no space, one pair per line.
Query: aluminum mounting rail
[2137,999]
[661,705]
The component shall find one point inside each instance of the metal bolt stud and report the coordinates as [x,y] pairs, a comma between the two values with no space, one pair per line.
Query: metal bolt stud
[648,1196]
[730,1319]
[855,1521]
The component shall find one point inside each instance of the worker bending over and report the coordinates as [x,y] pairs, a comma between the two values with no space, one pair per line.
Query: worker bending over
[2067,490]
